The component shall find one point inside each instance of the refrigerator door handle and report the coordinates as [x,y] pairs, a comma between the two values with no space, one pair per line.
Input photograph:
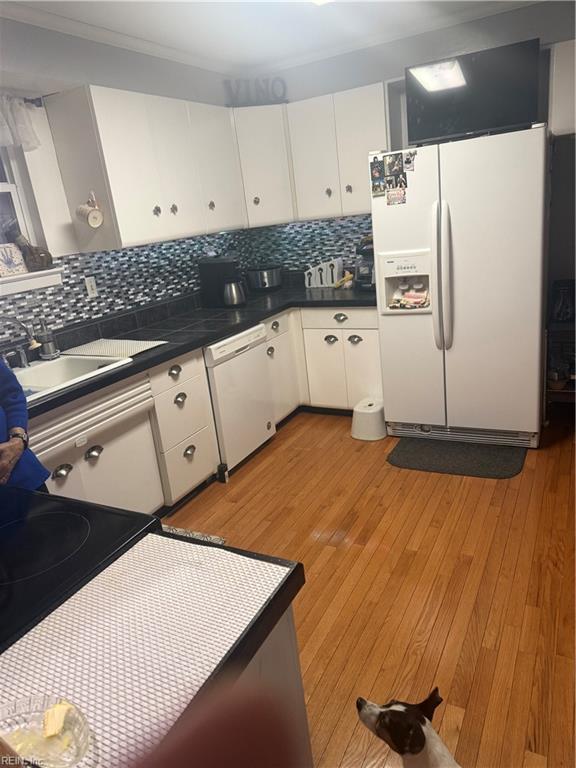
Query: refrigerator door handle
[446,271]
[435,283]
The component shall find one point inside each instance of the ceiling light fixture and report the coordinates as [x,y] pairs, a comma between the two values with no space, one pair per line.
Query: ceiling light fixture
[440,76]
[321,2]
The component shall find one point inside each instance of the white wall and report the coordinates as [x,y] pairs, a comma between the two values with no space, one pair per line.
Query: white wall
[32,54]
[562,87]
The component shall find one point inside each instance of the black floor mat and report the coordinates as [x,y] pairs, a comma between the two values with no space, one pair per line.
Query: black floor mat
[452,458]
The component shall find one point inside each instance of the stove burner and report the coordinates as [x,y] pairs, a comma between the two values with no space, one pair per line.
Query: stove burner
[38,544]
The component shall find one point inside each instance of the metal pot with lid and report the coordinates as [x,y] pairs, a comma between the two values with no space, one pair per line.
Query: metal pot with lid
[265,278]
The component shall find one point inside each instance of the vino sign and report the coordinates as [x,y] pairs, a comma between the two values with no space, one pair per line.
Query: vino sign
[244,92]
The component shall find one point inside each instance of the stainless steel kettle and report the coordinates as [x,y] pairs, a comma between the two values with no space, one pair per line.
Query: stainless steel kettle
[234,293]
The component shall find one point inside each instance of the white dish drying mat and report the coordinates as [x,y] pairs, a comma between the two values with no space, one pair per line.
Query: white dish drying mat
[133,647]
[113,347]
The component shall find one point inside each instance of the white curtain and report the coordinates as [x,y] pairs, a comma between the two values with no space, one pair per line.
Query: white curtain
[16,129]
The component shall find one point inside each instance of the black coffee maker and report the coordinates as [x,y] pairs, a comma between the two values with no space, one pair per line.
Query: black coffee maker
[364,271]
[215,272]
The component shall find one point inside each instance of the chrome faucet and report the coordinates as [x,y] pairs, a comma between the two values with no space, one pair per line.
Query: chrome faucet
[28,329]
[32,343]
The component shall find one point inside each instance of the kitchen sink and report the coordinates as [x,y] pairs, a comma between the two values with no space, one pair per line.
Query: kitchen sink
[45,377]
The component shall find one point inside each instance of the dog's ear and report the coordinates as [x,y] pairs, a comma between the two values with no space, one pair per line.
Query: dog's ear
[429,704]
[403,734]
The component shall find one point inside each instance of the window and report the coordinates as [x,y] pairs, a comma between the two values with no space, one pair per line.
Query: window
[11,204]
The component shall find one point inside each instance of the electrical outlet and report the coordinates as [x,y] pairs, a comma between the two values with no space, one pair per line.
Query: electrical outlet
[91,288]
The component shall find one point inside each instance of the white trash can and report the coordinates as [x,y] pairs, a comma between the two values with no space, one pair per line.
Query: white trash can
[368,420]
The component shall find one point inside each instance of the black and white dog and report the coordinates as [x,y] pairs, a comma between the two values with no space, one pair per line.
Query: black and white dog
[407,729]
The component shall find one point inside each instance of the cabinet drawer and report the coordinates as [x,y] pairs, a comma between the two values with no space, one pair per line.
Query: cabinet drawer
[188,464]
[276,326]
[181,411]
[176,371]
[326,368]
[340,317]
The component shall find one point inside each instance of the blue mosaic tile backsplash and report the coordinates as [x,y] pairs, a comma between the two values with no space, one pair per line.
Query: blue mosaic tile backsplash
[135,277]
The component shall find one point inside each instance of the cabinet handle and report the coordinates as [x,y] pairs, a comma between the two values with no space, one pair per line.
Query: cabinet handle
[328,192]
[180,398]
[349,188]
[355,339]
[256,201]
[62,471]
[331,339]
[275,325]
[156,210]
[340,317]
[174,208]
[211,205]
[189,451]
[270,351]
[175,371]
[93,452]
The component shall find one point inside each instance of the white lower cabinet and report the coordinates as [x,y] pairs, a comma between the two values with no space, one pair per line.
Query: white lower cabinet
[188,464]
[101,449]
[343,362]
[66,477]
[183,425]
[325,363]
[182,411]
[362,364]
[283,376]
[119,468]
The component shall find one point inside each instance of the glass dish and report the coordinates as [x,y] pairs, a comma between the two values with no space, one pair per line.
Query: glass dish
[77,747]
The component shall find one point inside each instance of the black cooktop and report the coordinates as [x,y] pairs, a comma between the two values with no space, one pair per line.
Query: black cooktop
[50,547]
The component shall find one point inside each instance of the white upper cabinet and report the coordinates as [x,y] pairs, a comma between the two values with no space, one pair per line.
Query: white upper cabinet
[264,158]
[123,133]
[315,157]
[176,165]
[135,152]
[360,128]
[218,162]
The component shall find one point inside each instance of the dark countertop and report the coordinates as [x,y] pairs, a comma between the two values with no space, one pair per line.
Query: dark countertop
[197,328]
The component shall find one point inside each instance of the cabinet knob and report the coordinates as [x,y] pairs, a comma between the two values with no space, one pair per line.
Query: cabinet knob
[93,452]
[330,339]
[349,188]
[211,205]
[156,210]
[256,201]
[180,398]
[275,325]
[328,192]
[189,451]
[175,371]
[340,317]
[174,208]
[355,339]
[62,471]
[270,351]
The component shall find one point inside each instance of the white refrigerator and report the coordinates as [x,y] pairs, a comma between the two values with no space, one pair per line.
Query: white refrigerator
[459,242]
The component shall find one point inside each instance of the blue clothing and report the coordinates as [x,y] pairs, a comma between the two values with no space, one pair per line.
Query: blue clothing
[28,473]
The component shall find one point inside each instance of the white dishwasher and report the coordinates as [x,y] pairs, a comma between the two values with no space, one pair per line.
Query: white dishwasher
[241,392]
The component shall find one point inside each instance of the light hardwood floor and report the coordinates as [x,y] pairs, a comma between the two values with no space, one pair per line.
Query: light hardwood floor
[416,580]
